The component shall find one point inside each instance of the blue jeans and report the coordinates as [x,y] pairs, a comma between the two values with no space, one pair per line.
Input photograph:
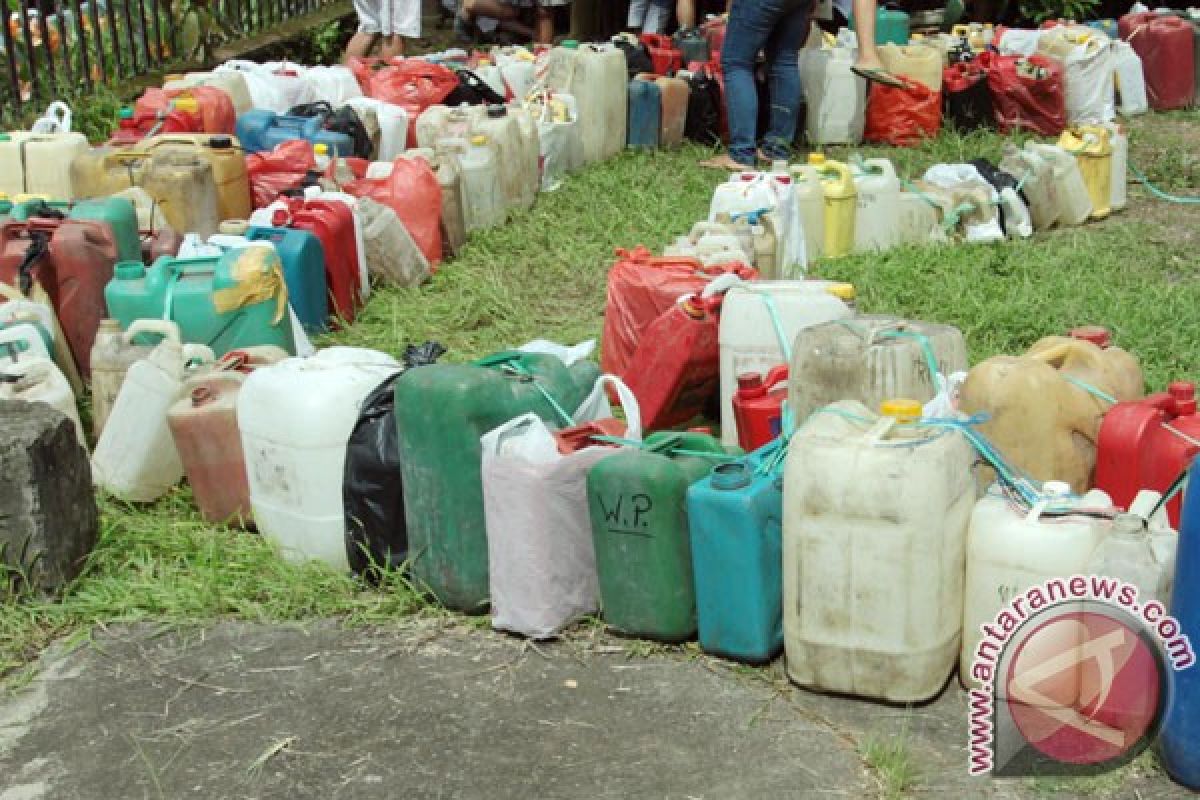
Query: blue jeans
[778,28]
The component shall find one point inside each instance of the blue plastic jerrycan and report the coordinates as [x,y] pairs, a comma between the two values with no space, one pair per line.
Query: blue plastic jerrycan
[1179,739]
[735,517]
[645,113]
[303,271]
[260,129]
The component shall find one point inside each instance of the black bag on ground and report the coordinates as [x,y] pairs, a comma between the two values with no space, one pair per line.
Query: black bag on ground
[472,90]
[637,57]
[703,123]
[343,120]
[372,494]
[966,99]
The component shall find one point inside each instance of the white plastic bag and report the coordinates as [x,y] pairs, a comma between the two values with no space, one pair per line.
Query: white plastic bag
[984,226]
[57,119]
[1019,42]
[541,563]
[393,126]
[334,85]
[1088,69]
[568,354]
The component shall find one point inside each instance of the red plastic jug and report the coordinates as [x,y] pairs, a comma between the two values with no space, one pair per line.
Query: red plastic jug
[332,222]
[667,60]
[202,109]
[758,407]
[1145,444]
[72,260]
[642,287]
[675,371]
[204,426]
[1165,45]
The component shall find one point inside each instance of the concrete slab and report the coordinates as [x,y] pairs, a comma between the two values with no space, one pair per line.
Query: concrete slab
[431,708]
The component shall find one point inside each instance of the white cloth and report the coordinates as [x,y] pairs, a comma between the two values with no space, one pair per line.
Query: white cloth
[389,17]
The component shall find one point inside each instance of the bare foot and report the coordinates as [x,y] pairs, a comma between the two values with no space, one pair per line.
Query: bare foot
[723,161]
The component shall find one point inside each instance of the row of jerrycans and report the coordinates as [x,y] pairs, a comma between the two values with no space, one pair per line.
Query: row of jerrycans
[657,111]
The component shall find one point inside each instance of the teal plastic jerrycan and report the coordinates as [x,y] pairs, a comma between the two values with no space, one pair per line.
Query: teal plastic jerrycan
[303,270]
[227,302]
[735,515]
[638,510]
[645,113]
[891,26]
[441,411]
[118,212]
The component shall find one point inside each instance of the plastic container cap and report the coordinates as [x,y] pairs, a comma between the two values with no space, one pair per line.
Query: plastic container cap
[496,112]
[1096,334]
[730,476]
[1056,488]
[570,44]
[816,159]
[321,149]
[901,409]
[843,291]
[1184,395]
[125,113]
[220,142]
[479,140]
[186,103]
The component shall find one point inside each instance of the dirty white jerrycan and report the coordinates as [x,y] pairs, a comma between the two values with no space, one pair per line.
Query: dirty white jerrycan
[1074,203]
[836,97]
[1130,80]
[595,75]
[393,125]
[440,122]
[39,380]
[503,131]
[810,199]
[20,342]
[1118,139]
[39,163]
[875,513]
[1140,551]
[483,203]
[1011,549]
[759,322]
[877,218]
[1038,184]
[527,130]
[294,419]
[135,457]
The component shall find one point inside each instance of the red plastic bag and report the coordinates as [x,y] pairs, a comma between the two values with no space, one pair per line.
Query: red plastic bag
[216,113]
[902,116]
[412,191]
[641,288]
[1026,93]
[273,172]
[414,84]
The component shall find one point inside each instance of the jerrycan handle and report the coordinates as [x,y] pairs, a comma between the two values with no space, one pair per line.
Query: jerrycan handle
[776,375]
[197,354]
[880,429]
[163,327]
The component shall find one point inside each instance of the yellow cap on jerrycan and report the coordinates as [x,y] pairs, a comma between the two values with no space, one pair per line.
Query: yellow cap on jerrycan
[186,103]
[1092,147]
[844,292]
[840,200]
[901,409]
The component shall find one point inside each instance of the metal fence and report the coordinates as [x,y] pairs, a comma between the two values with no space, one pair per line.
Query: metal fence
[51,48]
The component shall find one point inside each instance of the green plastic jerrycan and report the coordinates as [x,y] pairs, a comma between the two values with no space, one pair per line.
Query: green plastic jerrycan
[441,411]
[228,302]
[891,26]
[118,212]
[637,500]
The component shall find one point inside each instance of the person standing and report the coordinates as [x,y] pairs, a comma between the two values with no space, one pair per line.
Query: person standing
[777,28]
[508,11]
[868,65]
[388,22]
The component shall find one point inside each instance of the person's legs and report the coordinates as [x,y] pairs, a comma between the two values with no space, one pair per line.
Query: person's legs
[360,44]
[864,28]
[543,25]
[658,16]
[392,46]
[637,14]
[685,13]
[783,72]
[750,24]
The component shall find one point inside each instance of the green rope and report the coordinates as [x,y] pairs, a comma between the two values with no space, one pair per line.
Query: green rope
[926,347]
[1159,193]
[1090,389]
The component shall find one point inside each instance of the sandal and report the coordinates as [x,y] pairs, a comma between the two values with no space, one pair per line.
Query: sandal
[878,75]
[726,163]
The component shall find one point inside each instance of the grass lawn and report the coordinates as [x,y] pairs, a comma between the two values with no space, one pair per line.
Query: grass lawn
[543,275]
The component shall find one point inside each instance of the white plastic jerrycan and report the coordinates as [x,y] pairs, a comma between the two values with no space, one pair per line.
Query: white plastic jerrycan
[135,457]
[1074,203]
[483,202]
[759,322]
[113,353]
[294,418]
[836,97]
[877,219]
[20,342]
[810,199]
[875,513]
[39,163]
[1140,551]
[35,378]
[1011,549]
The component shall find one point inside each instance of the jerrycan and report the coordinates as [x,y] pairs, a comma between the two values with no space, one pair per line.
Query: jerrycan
[836,98]
[1165,45]
[870,358]
[665,58]
[1130,79]
[441,411]
[675,371]
[918,219]
[117,212]
[530,153]
[749,340]
[1140,447]
[875,513]
[259,129]
[1074,202]
[503,132]
[303,263]
[203,423]
[71,260]
[891,26]
[230,82]
[39,380]
[876,221]
[692,46]
[673,95]
[1038,185]
[841,201]
[135,457]
[483,202]
[332,222]
[637,500]
[113,353]
[226,302]
[1011,548]
[735,522]
[1044,408]
[1093,153]
[1119,140]
[448,168]
[595,75]
[1139,552]
[294,418]
[922,64]
[645,112]
[39,163]
[21,313]
[758,407]
[810,198]
[444,122]
[227,158]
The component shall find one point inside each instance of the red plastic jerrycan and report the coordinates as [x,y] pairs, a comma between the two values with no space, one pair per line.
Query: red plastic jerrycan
[127,133]
[667,60]
[332,222]
[1165,45]
[1145,444]
[204,425]
[201,109]
[641,287]
[72,260]
[675,371]
[758,407]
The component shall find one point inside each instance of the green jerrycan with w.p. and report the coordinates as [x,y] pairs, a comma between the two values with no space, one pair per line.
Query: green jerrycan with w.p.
[441,411]
[117,212]
[637,500]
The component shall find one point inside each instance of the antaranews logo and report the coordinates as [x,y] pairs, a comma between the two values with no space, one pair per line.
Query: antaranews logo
[1072,679]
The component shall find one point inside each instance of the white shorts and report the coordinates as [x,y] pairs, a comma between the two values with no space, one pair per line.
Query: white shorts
[389,17]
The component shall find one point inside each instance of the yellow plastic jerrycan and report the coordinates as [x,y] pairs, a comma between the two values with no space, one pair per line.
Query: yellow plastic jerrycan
[1092,147]
[1045,407]
[840,200]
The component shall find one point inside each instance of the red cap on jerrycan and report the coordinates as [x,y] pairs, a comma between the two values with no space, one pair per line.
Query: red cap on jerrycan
[1183,396]
[758,407]
[1096,334]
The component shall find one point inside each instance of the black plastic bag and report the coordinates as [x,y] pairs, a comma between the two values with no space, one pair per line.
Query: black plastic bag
[372,494]
[703,122]
[472,90]
[999,179]
[637,57]
[343,120]
[966,99]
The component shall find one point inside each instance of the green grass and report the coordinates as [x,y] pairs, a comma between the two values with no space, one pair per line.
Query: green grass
[543,275]
[891,762]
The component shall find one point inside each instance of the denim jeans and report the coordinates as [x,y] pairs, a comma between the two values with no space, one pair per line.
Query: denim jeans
[778,28]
